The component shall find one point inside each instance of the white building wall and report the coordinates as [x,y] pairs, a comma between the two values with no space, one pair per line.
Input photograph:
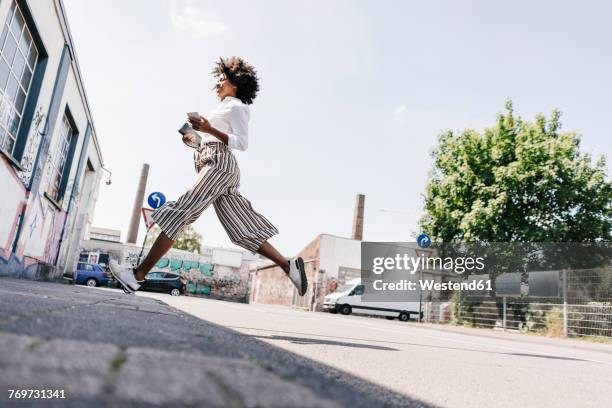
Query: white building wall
[336,252]
[34,230]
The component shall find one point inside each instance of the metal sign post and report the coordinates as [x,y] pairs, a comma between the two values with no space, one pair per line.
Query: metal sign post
[565,331]
[155,200]
[505,308]
[422,253]
[149,222]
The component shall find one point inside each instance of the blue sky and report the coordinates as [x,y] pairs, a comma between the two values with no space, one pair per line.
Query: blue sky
[353,96]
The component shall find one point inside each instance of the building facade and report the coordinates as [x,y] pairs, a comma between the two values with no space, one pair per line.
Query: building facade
[329,261]
[50,158]
[105,234]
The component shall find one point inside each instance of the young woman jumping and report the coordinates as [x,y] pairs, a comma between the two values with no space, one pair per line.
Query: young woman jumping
[225,128]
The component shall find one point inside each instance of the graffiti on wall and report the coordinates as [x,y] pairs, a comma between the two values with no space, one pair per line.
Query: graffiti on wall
[11,206]
[184,265]
[202,277]
[41,226]
[41,231]
[31,149]
[40,223]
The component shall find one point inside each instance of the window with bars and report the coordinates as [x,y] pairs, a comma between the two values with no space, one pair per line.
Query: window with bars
[58,158]
[18,57]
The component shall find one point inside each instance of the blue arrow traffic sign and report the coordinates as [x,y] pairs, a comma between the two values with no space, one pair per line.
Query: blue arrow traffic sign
[424,241]
[156,200]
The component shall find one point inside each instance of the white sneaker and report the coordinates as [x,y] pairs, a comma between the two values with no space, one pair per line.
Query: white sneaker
[125,276]
[297,275]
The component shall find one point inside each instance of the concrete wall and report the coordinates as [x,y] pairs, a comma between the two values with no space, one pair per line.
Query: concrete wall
[204,277]
[37,234]
[339,252]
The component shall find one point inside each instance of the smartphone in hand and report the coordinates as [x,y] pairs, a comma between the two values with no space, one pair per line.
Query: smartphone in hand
[190,137]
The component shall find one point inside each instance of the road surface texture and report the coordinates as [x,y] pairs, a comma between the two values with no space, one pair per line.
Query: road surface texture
[108,349]
[439,365]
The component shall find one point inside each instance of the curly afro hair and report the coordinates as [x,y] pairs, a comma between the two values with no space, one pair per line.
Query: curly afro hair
[241,74]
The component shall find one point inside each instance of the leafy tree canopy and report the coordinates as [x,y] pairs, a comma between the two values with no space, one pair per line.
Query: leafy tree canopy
[188,240]
[517,181]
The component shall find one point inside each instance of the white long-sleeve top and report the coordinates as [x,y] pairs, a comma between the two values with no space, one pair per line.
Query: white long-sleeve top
[231,117]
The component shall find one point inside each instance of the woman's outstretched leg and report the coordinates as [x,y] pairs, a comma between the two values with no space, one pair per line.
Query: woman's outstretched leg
[251,230]
[267,250]
[129,278]
[294,267]
[161,245]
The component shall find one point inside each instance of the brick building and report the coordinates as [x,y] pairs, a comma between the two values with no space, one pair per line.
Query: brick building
[330,260]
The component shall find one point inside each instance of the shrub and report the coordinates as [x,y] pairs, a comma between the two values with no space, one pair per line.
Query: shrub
[553,322]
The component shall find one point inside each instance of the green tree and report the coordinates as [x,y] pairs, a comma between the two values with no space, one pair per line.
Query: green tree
[518,181]
[188,240]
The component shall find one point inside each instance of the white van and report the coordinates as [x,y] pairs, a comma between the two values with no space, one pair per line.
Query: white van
[347,299]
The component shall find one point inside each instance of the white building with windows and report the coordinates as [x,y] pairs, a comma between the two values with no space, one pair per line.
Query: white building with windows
[50,158]
[104,234]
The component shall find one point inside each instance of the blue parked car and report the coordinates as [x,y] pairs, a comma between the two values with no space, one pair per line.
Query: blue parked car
[91,275]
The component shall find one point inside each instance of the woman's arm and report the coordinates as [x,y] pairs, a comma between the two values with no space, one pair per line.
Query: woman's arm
[239,120]
[203,125]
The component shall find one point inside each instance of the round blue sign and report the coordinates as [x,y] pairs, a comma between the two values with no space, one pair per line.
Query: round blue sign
[156,200]
[423,241]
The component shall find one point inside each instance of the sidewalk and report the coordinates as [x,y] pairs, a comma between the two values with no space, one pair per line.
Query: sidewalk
[570,342]
[105,348]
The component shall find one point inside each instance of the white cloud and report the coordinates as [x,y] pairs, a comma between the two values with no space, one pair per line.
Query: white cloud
[399,113]
[196,22]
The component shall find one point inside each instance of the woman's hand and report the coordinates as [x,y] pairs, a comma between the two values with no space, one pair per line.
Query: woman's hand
[191,139]
[200,124]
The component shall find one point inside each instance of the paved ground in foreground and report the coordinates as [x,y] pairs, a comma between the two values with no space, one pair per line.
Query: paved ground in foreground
[105,348]
[450,367]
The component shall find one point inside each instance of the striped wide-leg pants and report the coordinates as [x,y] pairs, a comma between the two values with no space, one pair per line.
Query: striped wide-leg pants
[217,184]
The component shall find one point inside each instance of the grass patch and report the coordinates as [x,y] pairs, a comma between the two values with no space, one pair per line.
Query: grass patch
[596,339]
[117,362]
[34,345]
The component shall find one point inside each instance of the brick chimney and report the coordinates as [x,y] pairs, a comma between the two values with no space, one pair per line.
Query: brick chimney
[132,234]
[358,218]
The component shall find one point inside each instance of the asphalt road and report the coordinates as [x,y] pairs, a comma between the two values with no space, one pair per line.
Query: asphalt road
[104,348]
[443,366]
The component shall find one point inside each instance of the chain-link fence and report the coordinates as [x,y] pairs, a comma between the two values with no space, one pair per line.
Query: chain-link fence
[574,303]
